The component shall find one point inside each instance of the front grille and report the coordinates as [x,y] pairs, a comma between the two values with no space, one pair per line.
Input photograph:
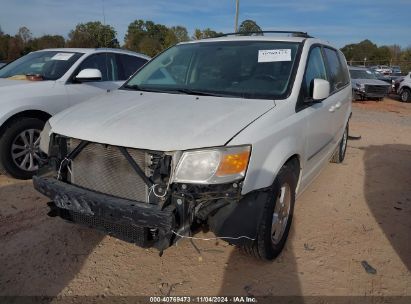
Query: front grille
[376,89]
[103,168]
[129,233]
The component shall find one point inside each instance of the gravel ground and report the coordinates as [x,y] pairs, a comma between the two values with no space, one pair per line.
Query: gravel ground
[355,212]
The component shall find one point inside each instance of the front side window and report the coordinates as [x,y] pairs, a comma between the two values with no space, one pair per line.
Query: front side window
[46,65]
[315,69]
[246,69]
[336,74]
[105,63]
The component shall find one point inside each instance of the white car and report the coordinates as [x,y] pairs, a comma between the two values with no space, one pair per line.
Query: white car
[404,90]
[43,83]
[218,134]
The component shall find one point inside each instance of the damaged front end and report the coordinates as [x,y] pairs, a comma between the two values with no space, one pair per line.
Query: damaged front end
[142,197]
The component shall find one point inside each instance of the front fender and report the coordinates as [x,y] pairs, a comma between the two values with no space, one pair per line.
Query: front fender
[266,162]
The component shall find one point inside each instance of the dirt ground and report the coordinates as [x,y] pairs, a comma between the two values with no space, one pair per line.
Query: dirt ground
[354,212]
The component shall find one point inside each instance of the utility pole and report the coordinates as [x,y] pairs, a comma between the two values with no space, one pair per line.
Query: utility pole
[237,10]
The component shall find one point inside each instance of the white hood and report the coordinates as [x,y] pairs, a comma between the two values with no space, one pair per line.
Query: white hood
[4,82]
[157,121]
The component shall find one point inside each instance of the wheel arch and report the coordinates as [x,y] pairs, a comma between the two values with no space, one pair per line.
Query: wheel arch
[42,115]
[264,166]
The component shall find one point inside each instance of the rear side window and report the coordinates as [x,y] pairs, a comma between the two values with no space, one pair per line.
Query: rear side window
[129,65]
[337,76]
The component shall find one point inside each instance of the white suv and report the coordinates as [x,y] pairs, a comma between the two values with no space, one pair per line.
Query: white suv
[42,83]
[218,134]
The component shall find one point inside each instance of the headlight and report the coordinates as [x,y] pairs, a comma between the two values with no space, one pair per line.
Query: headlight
[212,166]
[45,138]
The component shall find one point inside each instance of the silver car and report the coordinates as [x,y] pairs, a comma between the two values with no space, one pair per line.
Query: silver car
[365,85]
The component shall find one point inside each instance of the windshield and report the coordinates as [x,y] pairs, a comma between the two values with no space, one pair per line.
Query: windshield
[362,74]
[247,69]
[48,65]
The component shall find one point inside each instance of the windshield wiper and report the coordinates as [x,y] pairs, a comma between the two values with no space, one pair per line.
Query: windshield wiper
[176,91]
[136,87]
[201,93]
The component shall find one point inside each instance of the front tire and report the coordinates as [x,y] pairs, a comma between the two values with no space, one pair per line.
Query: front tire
[406,95]
[19,147]
[339,154]
[277,216]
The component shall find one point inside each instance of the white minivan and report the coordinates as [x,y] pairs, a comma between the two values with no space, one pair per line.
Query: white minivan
[220,134]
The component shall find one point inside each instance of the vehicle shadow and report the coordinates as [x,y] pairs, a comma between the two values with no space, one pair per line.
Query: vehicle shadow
[39,255]
[246,276]
[387,190]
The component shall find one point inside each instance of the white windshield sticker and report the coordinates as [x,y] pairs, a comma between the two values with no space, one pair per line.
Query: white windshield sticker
[62,56]
[369,72]
[274,55]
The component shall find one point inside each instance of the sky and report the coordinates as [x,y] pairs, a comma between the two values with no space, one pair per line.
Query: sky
[340,22]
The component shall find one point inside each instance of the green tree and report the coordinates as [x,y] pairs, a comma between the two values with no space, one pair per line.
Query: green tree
[180,33]
[92,35]
[47,41]
[250,26]
[206,33]
[150,38]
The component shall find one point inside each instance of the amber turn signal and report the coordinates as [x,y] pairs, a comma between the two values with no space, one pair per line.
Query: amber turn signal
[233,163]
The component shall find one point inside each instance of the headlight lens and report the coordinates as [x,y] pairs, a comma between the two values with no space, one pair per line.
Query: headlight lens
[45,138]
[213,166]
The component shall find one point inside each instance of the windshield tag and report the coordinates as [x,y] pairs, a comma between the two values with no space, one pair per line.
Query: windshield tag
[369,72]
[274,55]
[62,56]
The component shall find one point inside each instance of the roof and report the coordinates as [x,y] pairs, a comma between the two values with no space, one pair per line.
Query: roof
[96,50]
[258,38]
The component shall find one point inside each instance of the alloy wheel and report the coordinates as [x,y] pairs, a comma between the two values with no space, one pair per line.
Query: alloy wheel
[25,150]
[281,214]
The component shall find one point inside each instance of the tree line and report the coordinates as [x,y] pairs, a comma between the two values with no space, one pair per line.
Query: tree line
[150,38]
[142,36]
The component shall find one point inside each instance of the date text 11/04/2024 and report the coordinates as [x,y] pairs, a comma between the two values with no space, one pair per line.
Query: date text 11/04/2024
[175,299]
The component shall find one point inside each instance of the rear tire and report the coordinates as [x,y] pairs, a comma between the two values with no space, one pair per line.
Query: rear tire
[339,154]
[277,216]
[19,145]
[405,95]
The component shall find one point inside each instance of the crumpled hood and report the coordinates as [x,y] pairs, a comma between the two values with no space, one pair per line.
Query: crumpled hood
[369,82]
[157,121]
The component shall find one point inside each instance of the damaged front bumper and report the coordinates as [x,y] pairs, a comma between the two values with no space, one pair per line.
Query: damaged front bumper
[143,224]
[148,225]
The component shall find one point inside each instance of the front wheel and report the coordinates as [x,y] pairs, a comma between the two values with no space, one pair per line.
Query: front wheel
[19,148]
[406,95]
[339,154]
[277,216]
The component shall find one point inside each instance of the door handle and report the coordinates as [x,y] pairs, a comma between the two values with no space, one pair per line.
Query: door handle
[331,109]
[338,105]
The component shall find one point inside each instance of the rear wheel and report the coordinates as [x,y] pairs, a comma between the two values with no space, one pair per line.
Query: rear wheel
[406,95]
[277,216]
[19,148]
[339,154]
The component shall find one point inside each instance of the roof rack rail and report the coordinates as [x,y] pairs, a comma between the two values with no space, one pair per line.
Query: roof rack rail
[293,33]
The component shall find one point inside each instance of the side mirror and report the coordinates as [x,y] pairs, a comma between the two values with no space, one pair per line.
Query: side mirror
[321,89]
[89,75]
